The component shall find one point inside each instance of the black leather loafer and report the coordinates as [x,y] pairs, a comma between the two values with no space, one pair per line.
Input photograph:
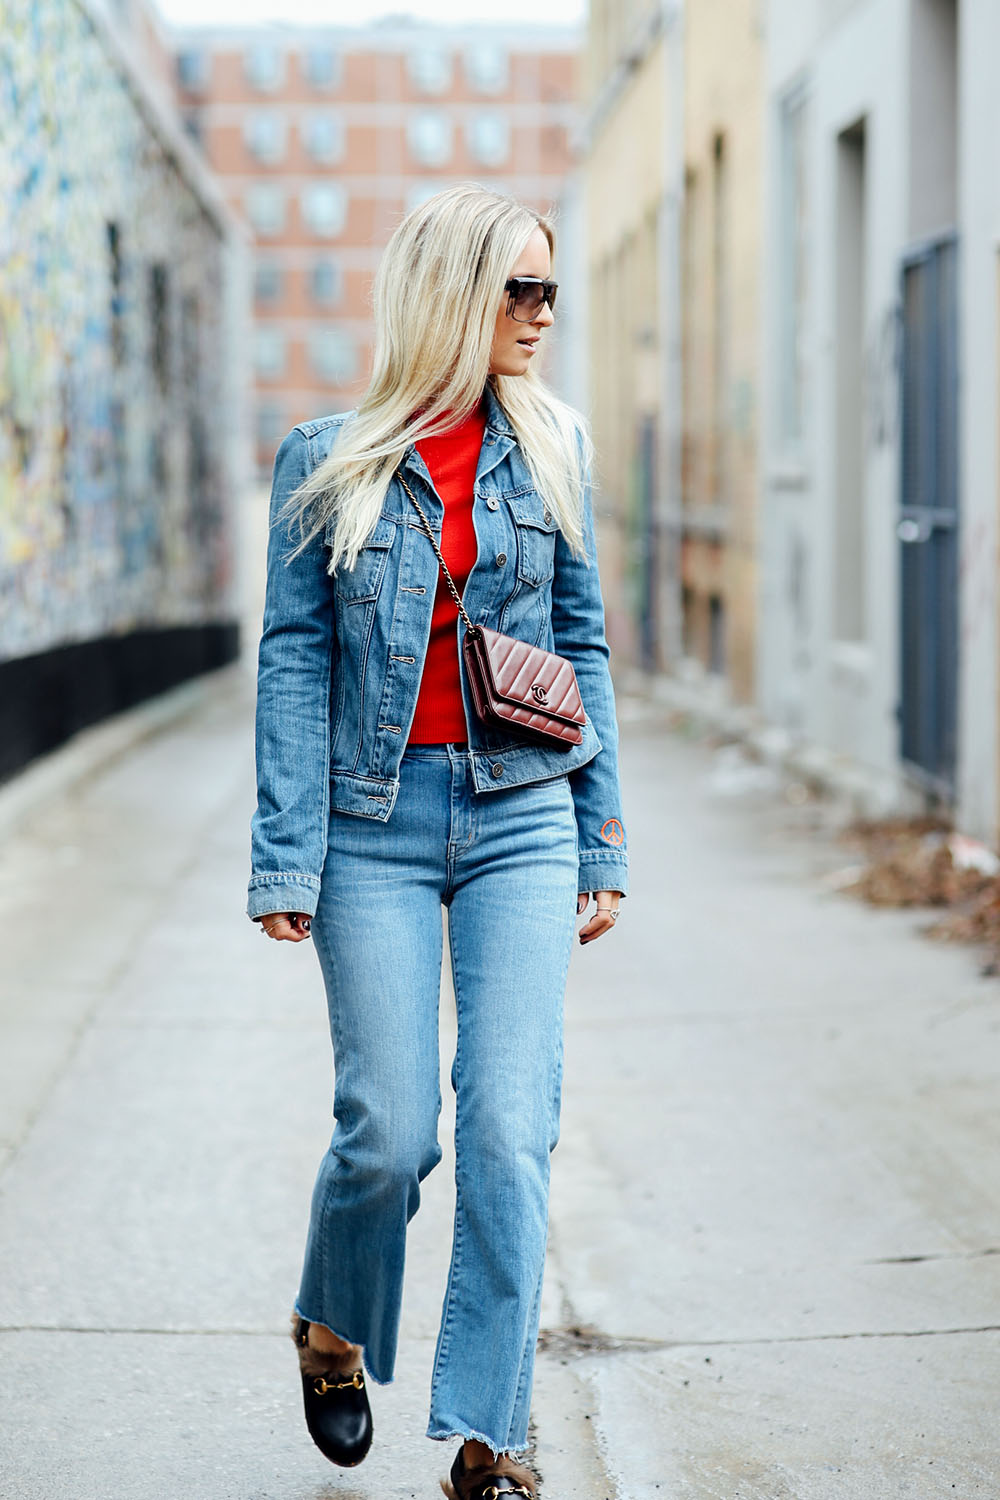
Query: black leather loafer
[492,1482]
[338,1416]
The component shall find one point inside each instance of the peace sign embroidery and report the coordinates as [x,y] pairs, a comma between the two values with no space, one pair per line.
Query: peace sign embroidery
[613,832]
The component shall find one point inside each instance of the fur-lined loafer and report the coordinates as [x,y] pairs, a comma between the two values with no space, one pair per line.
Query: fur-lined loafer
[338,1416]
[504,1476]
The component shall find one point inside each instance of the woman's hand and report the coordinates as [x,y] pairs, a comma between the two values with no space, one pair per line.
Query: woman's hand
[286,926]
[603,918]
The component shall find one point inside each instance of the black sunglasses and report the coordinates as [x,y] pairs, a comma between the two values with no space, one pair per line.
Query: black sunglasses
[527,295]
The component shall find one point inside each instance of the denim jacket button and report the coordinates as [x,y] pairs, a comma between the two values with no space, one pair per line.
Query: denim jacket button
[492,503]
[497,769]
[501,559]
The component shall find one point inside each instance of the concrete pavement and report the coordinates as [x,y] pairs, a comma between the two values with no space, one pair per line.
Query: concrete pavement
[776,1205]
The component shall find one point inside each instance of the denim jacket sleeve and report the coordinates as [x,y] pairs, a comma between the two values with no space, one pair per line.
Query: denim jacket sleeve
[289,827]
[578,633]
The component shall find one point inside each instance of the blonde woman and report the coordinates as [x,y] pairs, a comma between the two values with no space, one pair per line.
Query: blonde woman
[383,796]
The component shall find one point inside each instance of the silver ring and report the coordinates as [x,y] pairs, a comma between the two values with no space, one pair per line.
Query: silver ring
[612,912]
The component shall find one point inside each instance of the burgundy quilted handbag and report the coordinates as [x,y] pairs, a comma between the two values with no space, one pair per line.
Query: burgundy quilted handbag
[514,685]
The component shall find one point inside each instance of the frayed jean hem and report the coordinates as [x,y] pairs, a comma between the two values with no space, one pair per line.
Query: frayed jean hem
[470,1435]
[378,1379]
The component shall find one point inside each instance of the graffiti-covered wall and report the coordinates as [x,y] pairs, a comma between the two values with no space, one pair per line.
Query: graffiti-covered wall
[114,422]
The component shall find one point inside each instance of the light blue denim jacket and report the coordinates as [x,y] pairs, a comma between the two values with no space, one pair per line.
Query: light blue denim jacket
[341,660]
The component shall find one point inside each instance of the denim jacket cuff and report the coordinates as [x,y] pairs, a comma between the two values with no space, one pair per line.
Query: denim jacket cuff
[282,891]
[600,871]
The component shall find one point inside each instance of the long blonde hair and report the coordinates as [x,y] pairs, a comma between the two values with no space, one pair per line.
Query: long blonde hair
[436,296]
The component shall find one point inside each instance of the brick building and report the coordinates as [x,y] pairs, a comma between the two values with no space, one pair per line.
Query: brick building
[323,139]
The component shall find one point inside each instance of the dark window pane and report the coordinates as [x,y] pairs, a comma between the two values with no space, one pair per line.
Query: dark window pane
[267,283]
[192,71]
[320,66]
[325,282]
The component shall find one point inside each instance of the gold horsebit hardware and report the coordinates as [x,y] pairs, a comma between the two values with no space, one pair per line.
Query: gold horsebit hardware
[323,1387]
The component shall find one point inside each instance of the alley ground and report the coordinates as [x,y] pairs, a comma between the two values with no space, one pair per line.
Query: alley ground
[775,1258]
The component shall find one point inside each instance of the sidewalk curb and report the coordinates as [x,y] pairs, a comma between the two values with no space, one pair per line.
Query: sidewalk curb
[93,749]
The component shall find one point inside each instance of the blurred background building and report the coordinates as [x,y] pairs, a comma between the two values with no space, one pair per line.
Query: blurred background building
[720,269]
[323,138]
[633,182]
[673,182]
[793,265]
[118,407]
[879,482]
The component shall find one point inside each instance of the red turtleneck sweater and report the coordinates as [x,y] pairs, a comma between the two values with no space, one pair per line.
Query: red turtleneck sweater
[451,461]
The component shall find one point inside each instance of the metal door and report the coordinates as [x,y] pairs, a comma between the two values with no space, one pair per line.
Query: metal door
[928,520]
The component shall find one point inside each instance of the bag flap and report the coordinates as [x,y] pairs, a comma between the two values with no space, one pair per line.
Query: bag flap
[530,677]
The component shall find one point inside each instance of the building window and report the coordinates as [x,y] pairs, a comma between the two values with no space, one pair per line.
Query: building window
[429,135]
[191,120]
[691,360]
[688,631]
[190,342]
[324,207]
[792,263]
[429,69]
[264,66]
[268,352]
[267,281]
[264,133]
[159,321]
[265,204]
[319,64]
[192,71]
[486,68]
[851,249]
[323,137]
[721,321]
[333,354]
[716,634]
[270,424]
[116,302]
[326,285]
[556,140]
[489,139]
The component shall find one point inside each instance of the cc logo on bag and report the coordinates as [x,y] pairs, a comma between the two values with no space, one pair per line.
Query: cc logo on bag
[538,693]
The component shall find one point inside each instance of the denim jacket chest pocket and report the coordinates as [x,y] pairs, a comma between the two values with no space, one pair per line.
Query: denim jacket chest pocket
[535,529]
[360,584]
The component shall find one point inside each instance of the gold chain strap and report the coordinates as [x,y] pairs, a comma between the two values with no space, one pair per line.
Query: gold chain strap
[437,552]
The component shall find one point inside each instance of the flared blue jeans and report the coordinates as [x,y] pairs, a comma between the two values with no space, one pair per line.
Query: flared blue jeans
[504,864]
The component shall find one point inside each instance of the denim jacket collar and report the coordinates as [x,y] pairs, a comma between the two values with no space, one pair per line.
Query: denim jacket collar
[498,440]
[496,418]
